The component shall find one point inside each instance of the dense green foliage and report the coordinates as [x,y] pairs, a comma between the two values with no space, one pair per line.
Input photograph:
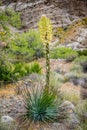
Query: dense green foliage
[64,53]
[27,46]
[10,72]
[15,56]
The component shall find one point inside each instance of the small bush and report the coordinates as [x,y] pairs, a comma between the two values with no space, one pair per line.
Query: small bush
[80,59]
[56,80]
[6,67]
[82,108]
[10,72]
[23,69]
[64,53]
[14,18]
[82,52]
[35,68]
[4,33]
[76,68]
[27,46]
[84,125]
[72,97]
[9,16]
[82,111]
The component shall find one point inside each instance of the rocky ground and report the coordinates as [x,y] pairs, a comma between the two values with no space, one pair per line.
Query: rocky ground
[11,102]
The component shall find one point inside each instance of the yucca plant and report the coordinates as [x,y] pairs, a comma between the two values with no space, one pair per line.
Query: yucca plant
[41,107]
[45,29]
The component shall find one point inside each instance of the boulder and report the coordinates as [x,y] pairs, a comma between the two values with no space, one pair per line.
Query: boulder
[7,123]
[67,107]
[73,45]
[72,121]
[7,119]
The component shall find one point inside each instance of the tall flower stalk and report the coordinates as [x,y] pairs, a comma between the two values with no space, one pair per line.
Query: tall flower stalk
[45,29]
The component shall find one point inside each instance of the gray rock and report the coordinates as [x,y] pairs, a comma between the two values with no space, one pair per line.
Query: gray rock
[73,45]
[72,121]
[68,107]
[83,82]
[80,39]
[6,119]
[7,123]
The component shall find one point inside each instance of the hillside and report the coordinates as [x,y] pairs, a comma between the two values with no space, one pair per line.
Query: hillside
[43,65]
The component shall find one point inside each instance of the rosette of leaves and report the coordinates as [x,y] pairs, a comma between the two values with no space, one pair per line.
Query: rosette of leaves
[41,107]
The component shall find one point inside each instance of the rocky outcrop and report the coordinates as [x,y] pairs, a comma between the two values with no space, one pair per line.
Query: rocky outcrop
[61,12]
[78,42]
[76,7]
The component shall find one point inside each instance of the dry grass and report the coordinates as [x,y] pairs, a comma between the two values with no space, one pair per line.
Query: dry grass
[7,90]
[71,92]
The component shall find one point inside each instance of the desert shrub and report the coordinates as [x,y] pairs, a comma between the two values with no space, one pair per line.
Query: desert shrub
[27,46]
[9,16]
[10,72]
[5,73]
[35,68]
[80,59]
[82,111]
[56,80]
[6,67]
[82,108]
[76,68]
[3,17]
[60,32]
[73,97]
[64,53]
[41,107]
[14,18]
[4,33]
[19,70]
[23,69]
[82,52]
